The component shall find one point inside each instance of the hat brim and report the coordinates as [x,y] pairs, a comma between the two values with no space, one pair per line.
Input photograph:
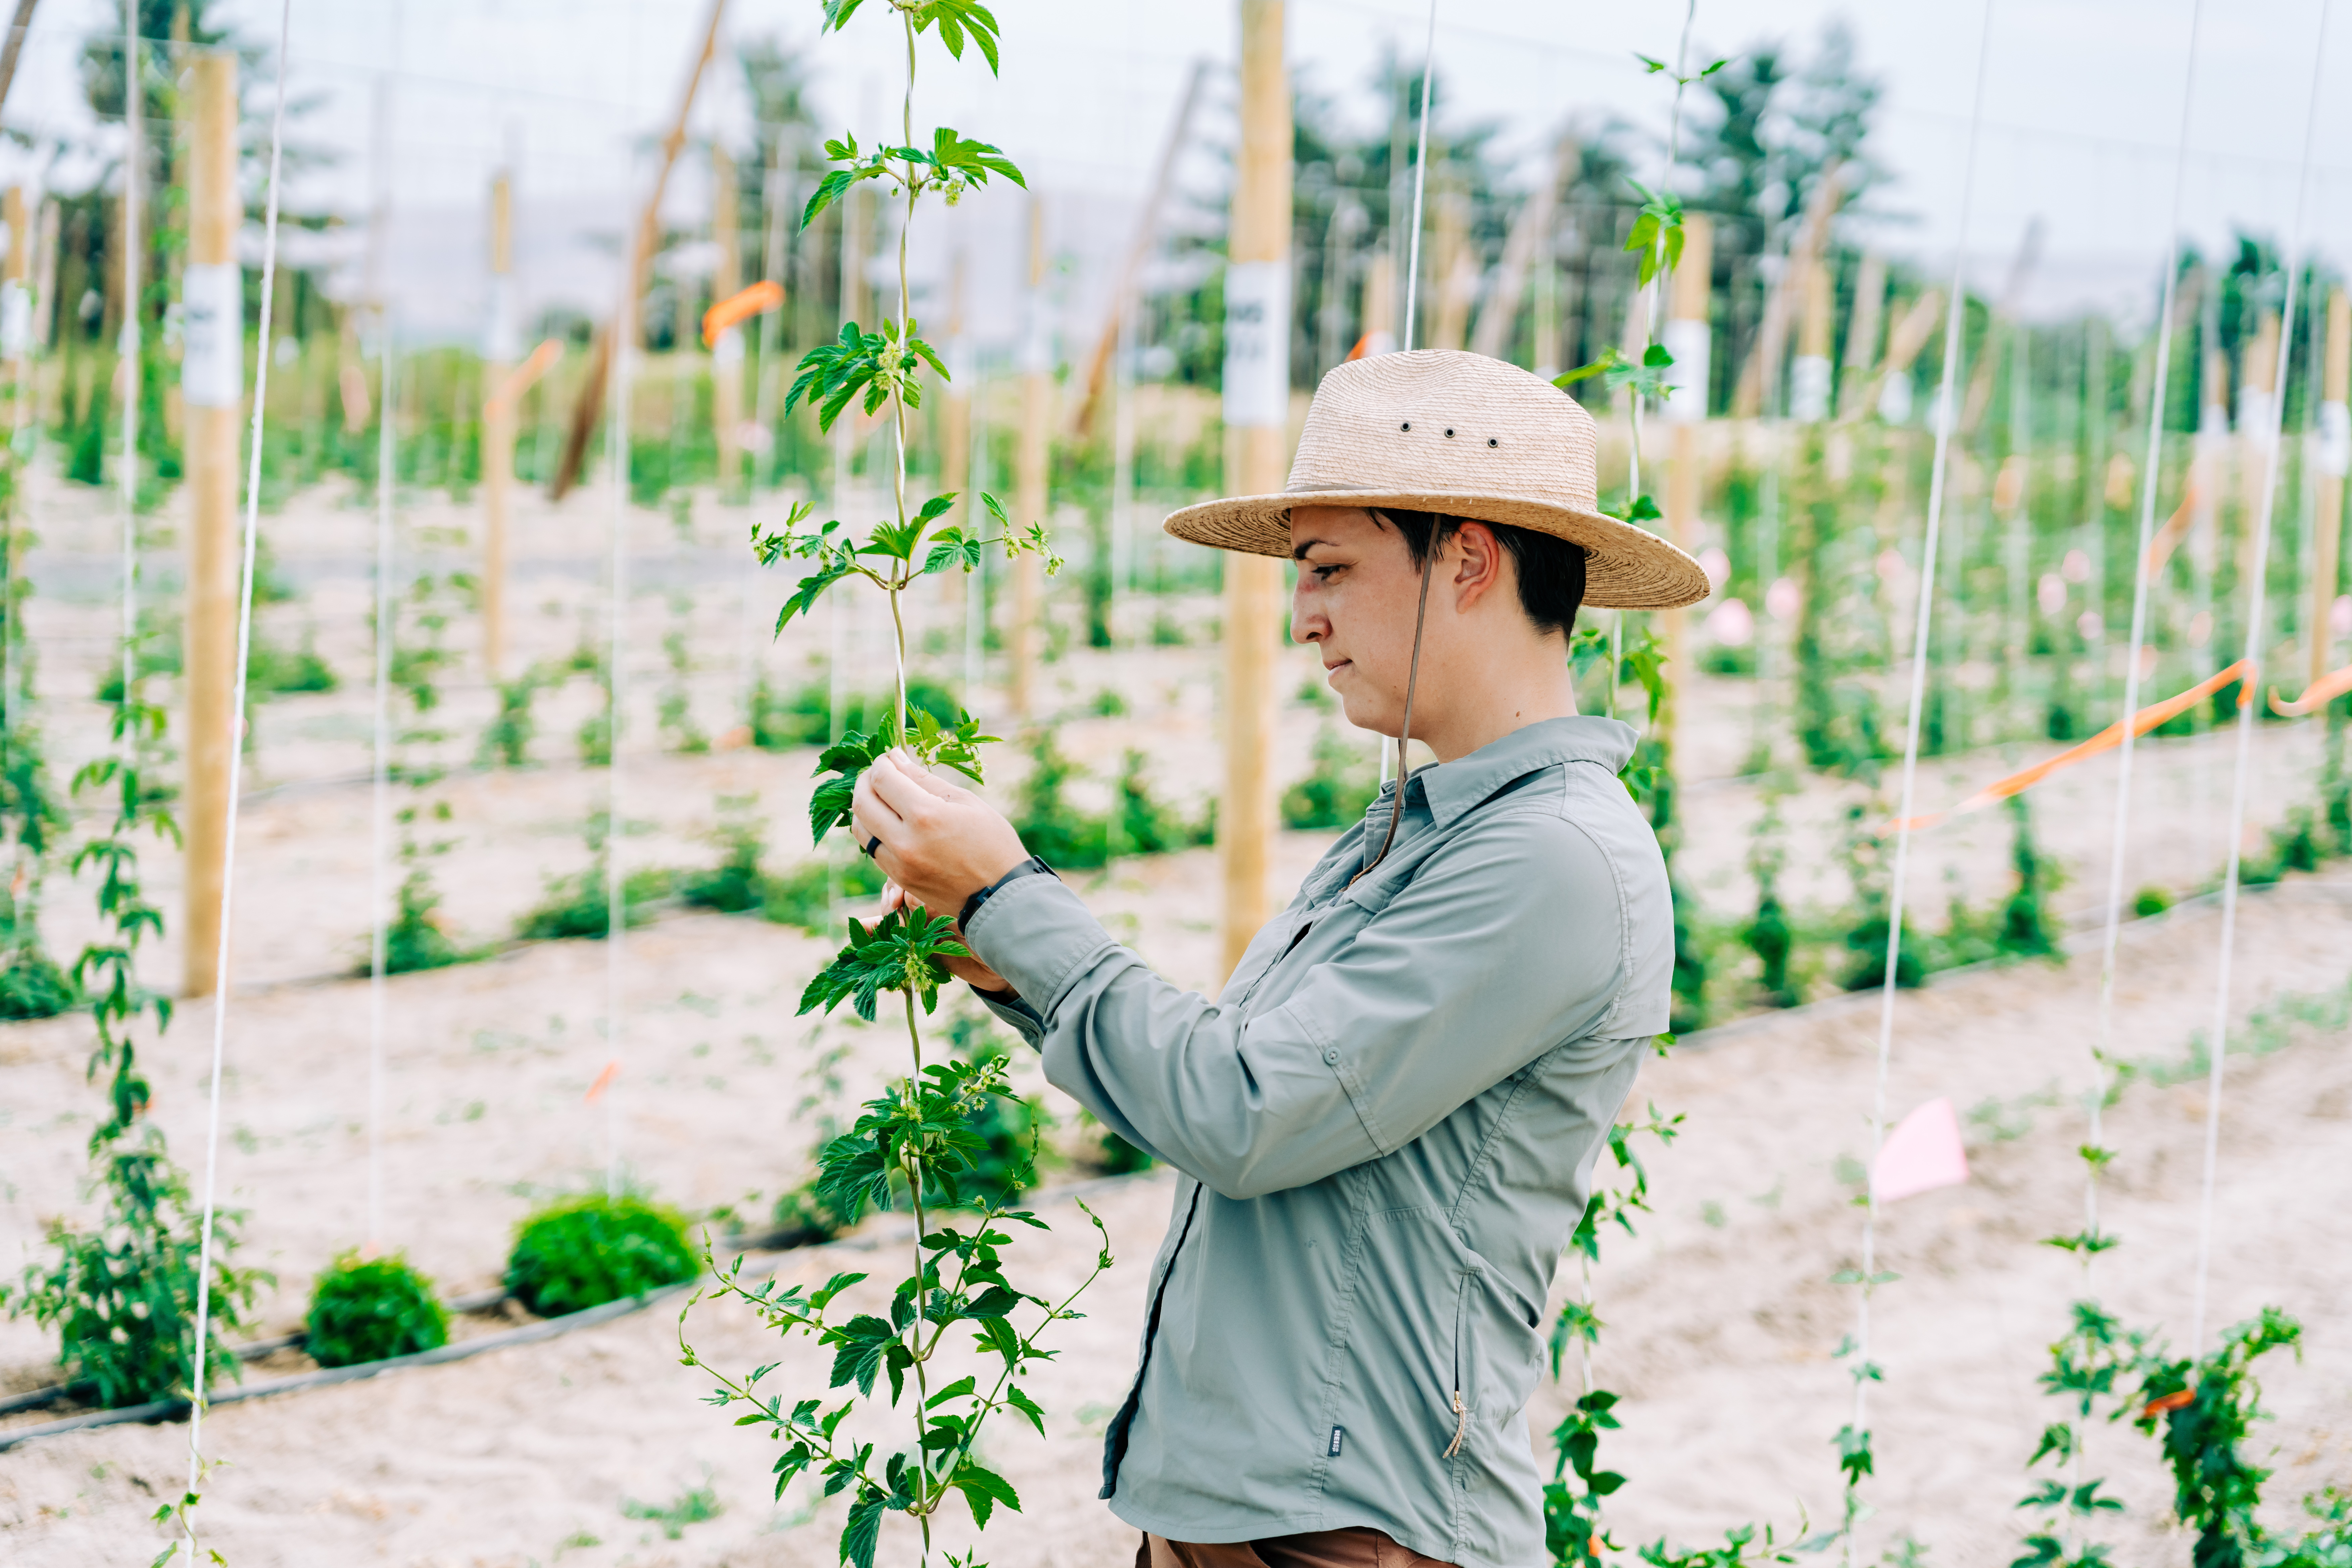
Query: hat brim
[1627,568]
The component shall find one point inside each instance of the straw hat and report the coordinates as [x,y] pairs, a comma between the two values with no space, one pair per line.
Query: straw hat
[1439,430]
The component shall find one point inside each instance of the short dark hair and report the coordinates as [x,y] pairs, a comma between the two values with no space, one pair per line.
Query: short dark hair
[1550,569]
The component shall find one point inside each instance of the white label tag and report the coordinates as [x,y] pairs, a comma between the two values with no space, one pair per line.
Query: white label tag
[1689,342]
[728,352]
[16,321]
[1895,398]
[1808,389]
[2334,438]
[501,333]
[212,335]
[1258,345]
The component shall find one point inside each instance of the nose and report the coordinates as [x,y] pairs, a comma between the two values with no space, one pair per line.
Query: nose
[1307,623]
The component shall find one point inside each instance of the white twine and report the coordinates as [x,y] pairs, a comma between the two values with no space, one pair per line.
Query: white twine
[387,452]
[1392,763]
[2249,685]
[134,124]
[228,853]
[1953,315]
[615,883]
[2140,591]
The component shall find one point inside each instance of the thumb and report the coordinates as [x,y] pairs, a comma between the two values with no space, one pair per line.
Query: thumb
[921,775]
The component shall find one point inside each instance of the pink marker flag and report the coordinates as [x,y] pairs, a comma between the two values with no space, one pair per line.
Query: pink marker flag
[1922,1153]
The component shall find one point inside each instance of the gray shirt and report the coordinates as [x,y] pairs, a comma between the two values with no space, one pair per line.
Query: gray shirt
[1386,1127]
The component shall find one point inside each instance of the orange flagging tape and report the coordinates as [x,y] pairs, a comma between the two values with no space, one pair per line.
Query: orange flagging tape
[2175,529]
[603,1080]
[2107,740]
[518,379]
[2322,693]
[764,294]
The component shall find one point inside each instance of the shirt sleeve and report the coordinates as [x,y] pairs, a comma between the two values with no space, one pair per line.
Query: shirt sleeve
[1508,940]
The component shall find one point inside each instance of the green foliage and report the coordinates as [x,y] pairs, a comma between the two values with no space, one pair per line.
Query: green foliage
[1863,850]
[2028,927]
[1065,835]
[2206,1408]
[2087,1368]
[580,904]
[1768,934]
[696,1505]
[1337,792]
[506,740]
[274,671]
[123,1294]
[583,1252]
[2150,900]
[413,937]
[364,1309]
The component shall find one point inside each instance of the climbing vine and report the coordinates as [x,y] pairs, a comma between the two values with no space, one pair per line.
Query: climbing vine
[919,1141]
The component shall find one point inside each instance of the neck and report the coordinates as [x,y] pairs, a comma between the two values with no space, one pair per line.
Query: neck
[1488,700]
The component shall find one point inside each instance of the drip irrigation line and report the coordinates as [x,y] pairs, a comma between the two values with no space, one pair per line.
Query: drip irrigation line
[1947,417]
[2141,588]
[2255,607]
[235,770]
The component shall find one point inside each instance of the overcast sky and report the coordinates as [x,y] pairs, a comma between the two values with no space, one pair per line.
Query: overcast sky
[2082,100]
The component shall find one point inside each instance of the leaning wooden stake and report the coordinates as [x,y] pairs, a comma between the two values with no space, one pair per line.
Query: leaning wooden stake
[1689,341]
[212,383]
[643,242]
[1030,490]
[2335,457]
[1257,410]
[500,345]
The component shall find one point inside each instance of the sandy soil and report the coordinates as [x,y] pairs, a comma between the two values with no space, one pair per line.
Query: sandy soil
[1721,1317]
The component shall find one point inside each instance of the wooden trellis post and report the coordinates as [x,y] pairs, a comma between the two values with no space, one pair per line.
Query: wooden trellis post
[2335,457]
[1257,417]
[1030,465]
[211,384]
[499,348]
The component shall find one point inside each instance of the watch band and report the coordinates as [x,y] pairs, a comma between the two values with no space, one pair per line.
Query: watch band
[1033,867]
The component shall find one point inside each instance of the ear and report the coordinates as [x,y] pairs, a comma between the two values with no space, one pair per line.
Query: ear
[1477,567]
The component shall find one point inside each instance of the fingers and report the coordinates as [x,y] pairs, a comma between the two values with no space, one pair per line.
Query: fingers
[893,897]
[901,786]
[922,777]
[870,816]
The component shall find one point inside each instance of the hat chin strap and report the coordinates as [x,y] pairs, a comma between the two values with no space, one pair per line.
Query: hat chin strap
[1404,735]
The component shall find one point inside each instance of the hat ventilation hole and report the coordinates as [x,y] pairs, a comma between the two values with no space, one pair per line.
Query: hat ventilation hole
[1492,442]
[1449,435]
[1406,425]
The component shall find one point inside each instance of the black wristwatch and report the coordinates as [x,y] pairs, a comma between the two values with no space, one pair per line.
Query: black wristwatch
[1033,867]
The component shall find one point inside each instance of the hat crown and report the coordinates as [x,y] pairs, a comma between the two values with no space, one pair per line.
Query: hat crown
[1442,420]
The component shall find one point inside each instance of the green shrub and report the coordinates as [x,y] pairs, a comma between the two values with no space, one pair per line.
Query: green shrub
[31,985]
[583,1252]
[415,940]
[122,1294]
[374,1309]
[803,897]
[506,740]
[2150,900]
[1339,789]
[736,884]
[805,1218]
[273,670]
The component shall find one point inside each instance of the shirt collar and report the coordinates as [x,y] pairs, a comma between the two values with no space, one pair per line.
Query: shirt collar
[1450,789]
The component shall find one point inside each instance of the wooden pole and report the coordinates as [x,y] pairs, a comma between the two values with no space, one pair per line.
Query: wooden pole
[1139,251]
[498,426]
[1809,372]
[211,378]
[17,301]
[1030,468]
[644,240]
[727,353]
[1258,416]
[1862,332]
[1528,245]
[2335,457]
[1687,338]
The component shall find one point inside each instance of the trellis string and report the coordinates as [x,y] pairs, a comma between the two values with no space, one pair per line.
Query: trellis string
[1946,418]
[2255,607]
[228,853]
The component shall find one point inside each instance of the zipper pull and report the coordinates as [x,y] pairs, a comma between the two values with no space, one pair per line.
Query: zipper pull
[1461,1426]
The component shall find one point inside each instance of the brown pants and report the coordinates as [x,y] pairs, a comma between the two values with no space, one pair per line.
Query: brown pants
[1354,1548]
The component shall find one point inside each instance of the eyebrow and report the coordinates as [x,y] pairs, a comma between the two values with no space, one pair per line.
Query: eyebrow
[1299,547]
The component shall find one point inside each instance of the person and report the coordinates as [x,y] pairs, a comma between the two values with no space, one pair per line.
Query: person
[1386,1124]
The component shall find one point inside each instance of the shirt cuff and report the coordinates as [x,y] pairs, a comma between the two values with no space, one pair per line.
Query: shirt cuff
[1016,1013]
[1038,935]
